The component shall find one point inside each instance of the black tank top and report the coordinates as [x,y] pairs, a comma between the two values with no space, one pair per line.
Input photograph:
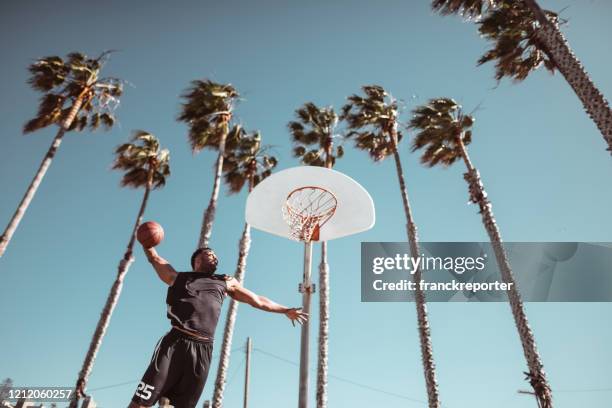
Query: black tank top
[194,301]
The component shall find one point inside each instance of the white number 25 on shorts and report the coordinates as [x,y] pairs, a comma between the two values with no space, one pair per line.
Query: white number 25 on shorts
[144,390]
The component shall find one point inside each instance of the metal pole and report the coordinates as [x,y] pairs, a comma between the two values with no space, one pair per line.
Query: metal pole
[247,371]
[306,289]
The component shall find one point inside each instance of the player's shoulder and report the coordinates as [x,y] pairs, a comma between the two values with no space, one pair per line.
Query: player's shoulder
[230,282]
[183,274]
[180,274]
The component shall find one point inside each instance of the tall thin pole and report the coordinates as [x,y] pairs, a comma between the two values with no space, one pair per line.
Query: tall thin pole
[306,289]
[247,370]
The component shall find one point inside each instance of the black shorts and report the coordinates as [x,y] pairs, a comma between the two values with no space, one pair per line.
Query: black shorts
[177,371]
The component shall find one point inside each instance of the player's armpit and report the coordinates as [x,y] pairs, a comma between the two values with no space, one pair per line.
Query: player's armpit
[231,283]
[166,273]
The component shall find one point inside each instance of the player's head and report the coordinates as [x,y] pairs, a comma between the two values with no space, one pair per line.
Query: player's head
[204,260]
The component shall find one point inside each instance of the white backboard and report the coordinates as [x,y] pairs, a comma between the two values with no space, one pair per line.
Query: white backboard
[354,213]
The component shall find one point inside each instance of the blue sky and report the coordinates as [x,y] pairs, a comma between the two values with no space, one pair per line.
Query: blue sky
[542,160]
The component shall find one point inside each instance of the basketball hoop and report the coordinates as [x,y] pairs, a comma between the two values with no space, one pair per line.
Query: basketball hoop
[295,203]
[306,210]
[309,197]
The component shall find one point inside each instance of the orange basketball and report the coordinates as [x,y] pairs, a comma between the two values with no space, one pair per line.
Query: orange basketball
[150,234]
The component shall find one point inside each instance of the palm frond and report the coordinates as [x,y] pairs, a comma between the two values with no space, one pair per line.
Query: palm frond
[313,129]
[48,73]
[511,28]
[62,81]
[204,105]
[466,8]
[372,120]
[439,126]
[138,157]
[49,112]
[246,163]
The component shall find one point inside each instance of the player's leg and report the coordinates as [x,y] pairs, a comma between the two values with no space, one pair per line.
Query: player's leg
[158,377]
[196,363]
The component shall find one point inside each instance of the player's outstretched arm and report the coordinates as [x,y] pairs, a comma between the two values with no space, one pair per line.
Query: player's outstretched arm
[164,270]
[242,294]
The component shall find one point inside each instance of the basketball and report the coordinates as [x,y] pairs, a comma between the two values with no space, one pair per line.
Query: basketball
[150,234]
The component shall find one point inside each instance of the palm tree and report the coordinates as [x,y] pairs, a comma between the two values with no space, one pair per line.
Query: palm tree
[526,37]
[74,97]
[374,123]
[5,387]
[246,162]
[145,166]
[313,143]
[207,110]
[444,131]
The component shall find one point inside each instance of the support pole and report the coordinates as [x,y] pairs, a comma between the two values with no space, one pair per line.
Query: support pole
[247,371]
[306,289]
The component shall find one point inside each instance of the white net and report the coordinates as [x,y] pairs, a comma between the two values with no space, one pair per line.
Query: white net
[306,210]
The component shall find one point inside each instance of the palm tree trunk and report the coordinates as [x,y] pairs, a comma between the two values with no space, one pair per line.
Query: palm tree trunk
[40,174]
[323,355]
[230,321]
[209,214]
[111,303]
[322,364]
[536,374]
[558,50]
[420,303]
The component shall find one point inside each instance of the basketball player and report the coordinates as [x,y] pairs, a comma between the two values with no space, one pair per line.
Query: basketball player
[181,359]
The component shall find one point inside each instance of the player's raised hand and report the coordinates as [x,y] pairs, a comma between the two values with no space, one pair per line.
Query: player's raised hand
[296,315]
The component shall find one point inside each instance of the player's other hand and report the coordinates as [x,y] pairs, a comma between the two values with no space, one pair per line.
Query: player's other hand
[296,315]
